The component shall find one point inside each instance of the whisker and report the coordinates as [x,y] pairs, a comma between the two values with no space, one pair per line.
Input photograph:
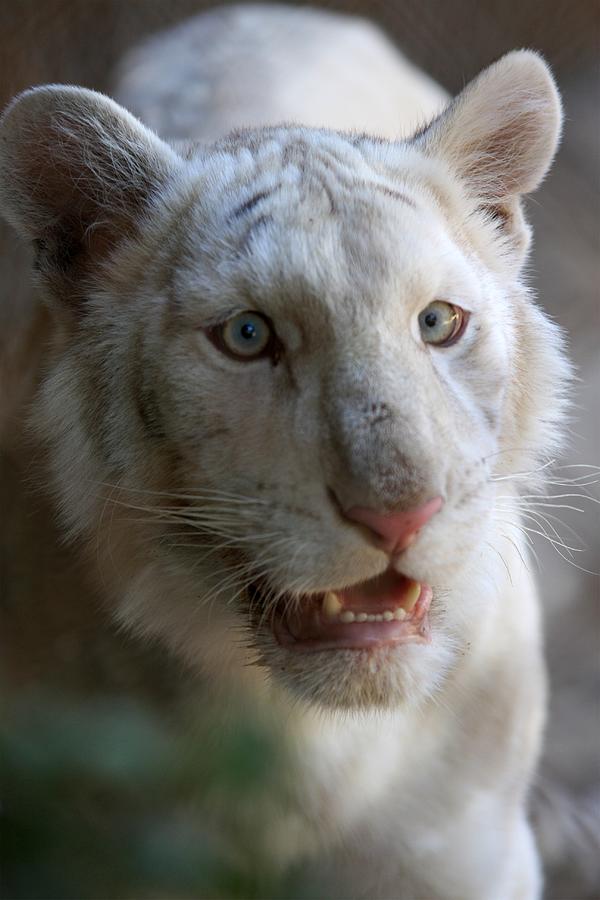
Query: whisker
[556,543]
[544,522]
[197,494]
[572,531]
[504,563]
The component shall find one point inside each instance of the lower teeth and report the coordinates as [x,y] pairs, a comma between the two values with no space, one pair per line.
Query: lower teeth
[332,608]
[347,617]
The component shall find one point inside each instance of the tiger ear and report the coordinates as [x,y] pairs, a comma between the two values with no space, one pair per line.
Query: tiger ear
[77,173]
[500,134]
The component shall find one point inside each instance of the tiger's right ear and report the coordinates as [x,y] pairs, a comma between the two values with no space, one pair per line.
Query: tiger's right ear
[499,136]
[77,174]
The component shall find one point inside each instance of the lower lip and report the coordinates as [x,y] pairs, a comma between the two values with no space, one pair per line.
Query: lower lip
[358,636]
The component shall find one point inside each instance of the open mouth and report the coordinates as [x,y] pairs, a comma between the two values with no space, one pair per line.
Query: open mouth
[387,610]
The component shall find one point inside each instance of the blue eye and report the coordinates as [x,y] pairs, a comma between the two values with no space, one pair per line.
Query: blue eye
[246,336]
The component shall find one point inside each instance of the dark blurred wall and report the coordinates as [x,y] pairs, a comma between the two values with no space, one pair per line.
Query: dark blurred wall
[79,40]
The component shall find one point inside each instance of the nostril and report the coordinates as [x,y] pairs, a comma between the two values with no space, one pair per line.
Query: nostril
[336,503]
[395,531]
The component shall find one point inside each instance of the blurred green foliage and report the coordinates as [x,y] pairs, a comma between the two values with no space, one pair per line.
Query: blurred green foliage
[109,798]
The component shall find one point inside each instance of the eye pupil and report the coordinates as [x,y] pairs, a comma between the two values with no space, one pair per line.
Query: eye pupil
[248,331]
[431,319]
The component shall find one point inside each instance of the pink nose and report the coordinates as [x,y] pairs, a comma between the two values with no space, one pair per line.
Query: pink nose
[397,530]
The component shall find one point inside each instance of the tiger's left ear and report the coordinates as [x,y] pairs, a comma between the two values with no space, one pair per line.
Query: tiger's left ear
[500,134]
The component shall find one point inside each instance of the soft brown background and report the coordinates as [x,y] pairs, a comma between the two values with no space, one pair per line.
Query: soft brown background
[79,41]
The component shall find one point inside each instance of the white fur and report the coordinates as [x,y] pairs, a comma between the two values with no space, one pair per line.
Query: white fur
[139,408]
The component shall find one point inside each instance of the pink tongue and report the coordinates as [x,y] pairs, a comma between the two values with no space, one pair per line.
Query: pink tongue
[387,591]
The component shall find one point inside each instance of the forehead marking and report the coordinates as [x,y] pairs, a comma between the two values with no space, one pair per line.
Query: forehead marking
[360,185]
[314,163]
[392,192]
[248,205]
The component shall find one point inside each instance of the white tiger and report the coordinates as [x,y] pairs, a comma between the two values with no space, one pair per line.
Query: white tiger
[305,356]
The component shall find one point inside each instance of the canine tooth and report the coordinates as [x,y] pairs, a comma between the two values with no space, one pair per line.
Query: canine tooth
[370,617]
[399,614]
[388,616]
[347,617]
[361,617]
[331,605]
[412,595]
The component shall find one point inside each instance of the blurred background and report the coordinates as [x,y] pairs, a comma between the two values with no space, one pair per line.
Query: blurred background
[99,763]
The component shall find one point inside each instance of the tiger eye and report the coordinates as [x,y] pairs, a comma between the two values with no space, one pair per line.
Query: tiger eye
[245,337]
[441,323]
